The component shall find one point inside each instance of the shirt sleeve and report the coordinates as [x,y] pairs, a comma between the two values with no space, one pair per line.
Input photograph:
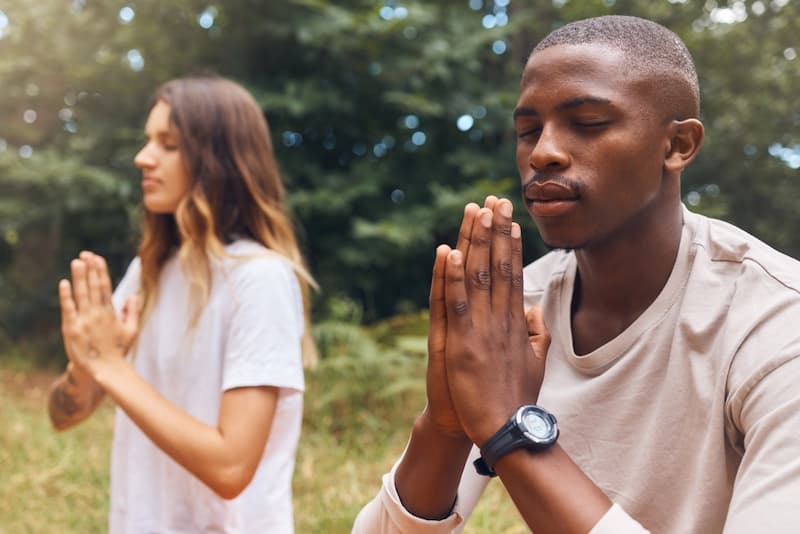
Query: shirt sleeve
[766,410]
[385,514]
[617,521]
[263,347]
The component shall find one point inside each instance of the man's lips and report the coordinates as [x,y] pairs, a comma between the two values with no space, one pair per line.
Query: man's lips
[550,198]
[550,191]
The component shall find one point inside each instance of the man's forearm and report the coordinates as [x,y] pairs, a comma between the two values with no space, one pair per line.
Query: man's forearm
[428,475]
[551,492]
[72,400]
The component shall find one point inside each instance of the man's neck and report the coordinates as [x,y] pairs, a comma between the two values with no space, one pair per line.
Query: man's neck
[617,280]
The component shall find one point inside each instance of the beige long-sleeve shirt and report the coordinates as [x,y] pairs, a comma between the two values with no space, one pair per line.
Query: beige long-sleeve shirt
[689,420]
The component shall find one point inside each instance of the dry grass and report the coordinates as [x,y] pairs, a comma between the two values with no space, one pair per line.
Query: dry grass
[51,482]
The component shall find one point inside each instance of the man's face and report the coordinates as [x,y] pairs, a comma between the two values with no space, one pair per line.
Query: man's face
[590,146]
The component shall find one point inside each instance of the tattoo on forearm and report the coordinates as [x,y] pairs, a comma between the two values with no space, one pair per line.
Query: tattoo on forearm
[66,404]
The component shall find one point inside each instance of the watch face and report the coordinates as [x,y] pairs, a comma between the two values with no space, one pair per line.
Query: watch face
[538,425]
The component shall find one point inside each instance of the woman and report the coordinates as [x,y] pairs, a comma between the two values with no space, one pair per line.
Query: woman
[211,318]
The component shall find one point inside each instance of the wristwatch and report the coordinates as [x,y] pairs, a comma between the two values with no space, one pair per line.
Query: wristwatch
[531,427]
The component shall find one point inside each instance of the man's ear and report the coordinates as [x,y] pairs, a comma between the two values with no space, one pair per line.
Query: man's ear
[683,144]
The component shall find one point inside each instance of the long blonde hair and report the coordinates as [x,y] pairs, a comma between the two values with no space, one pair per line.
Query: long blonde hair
[236,191]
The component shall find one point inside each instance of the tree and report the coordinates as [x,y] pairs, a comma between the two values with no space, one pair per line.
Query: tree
[387,117]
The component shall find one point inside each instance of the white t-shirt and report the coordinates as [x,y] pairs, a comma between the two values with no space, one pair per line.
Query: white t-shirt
[689,419]
[248,334]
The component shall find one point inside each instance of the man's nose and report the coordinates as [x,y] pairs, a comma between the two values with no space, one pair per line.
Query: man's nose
[548,152]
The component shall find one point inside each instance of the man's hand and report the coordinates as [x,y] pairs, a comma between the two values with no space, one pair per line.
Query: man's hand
[440,412]
[93,333]
[494,354]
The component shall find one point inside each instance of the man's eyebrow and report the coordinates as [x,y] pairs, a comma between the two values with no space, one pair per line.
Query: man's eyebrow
[525,112]
[583,100]
[569,104]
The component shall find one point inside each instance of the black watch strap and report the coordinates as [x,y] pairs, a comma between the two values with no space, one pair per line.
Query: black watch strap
[482,468]
[502,442]
[511,436]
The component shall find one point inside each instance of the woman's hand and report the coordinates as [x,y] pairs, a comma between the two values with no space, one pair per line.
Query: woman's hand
[93,333]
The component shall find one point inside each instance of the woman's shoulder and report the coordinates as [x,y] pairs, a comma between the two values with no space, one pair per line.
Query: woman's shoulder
[247,259]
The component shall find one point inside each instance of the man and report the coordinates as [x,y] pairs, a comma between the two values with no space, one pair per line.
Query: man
[673,365]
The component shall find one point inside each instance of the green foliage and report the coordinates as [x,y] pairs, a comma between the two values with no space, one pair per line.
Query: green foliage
[356,371]
[363,99]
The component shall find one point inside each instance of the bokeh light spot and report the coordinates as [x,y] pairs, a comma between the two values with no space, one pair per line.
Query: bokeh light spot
[375,68]
[126,15]
[465,122]
[135,60]
[3,23]
[207,17]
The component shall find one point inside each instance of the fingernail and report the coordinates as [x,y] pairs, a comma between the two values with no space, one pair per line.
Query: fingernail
[505,209]
[455,257]
[486,219]
[515,231]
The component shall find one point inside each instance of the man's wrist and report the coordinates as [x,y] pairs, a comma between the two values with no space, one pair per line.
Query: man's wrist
[424,425]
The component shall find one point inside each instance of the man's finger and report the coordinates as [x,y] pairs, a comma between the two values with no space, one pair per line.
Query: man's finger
[501,258]
[465,232]
[478,277]
[490,202]
[455,294]
[80,287]
[517,293]
[538,334]
[437,318]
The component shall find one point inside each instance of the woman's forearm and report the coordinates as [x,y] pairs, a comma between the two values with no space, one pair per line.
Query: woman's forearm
[224,460]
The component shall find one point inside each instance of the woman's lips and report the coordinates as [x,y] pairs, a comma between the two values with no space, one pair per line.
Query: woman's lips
[149,184]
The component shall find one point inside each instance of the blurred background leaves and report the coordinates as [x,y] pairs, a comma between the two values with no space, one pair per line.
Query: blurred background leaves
[387,117]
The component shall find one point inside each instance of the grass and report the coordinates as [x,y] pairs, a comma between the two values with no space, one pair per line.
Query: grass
[360,404]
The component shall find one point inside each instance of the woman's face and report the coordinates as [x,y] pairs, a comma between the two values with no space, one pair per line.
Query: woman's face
[164,178]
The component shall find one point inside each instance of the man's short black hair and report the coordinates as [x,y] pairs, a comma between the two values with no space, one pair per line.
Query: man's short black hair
[651,48]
